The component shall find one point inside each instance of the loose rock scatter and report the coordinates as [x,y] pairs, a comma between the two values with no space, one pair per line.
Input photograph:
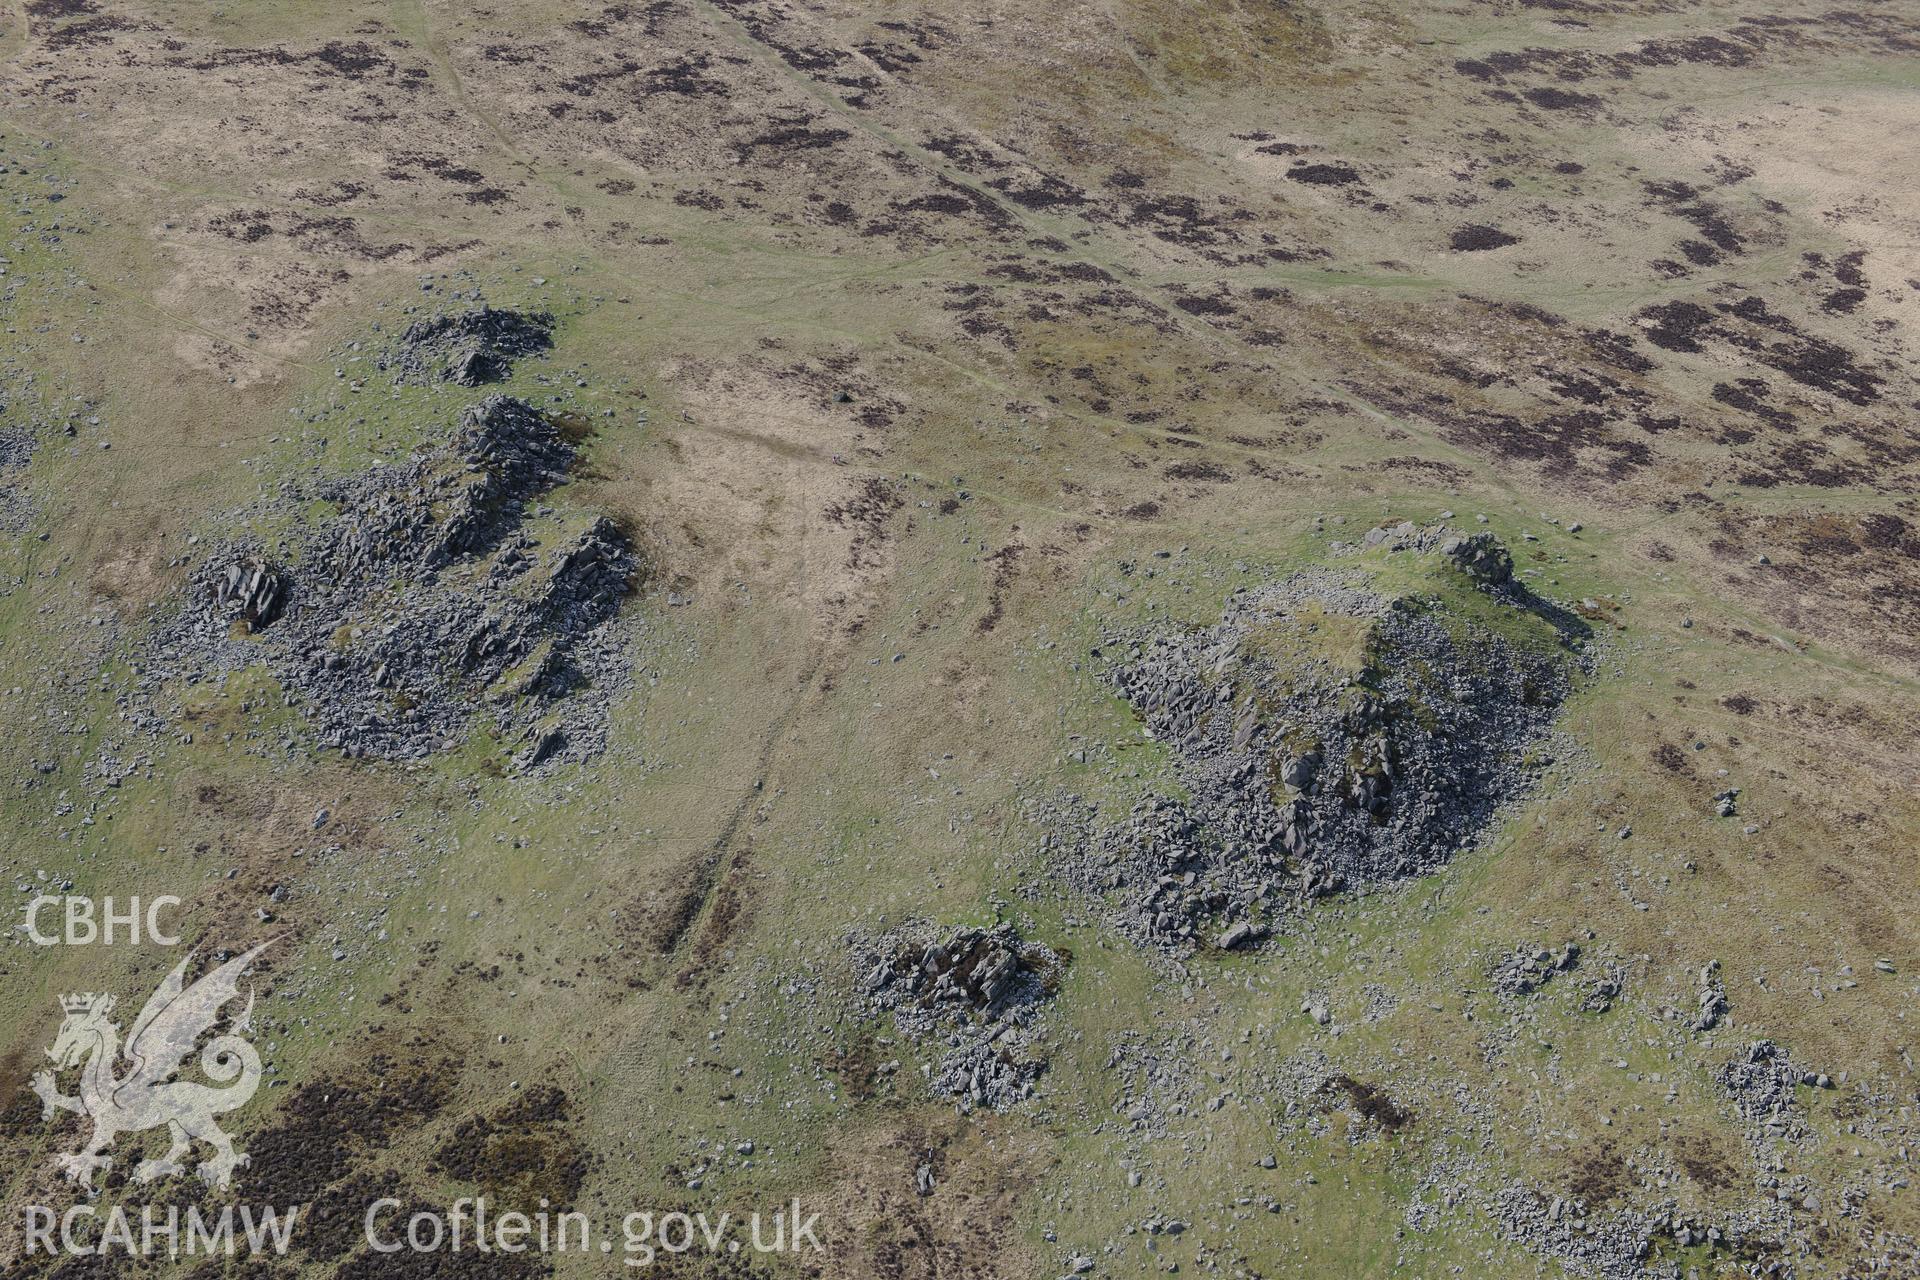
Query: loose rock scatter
[1525,970]
[441,591]
[16,450]
[1604,988]
[1761,1083]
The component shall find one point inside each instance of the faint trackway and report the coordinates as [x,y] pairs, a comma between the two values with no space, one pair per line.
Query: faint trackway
[707,874]
[628,1054]
[413,14]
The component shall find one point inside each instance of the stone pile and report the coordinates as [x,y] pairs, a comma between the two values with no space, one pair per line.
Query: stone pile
[1525,970]
[1603,989]
[1761,1083]
[1608,1244]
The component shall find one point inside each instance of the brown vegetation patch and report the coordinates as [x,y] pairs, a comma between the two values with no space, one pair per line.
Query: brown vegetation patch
[1372,1102]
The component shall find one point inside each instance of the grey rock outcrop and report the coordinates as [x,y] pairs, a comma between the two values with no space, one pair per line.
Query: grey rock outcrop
[468,347]
[1713,998]
[1481,557]
[978,990]
[251,591]
[434,595]
[1326,737]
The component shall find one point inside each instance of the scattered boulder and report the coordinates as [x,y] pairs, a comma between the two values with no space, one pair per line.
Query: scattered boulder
[1240,933]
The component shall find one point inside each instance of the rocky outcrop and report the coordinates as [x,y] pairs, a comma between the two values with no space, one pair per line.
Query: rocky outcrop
[435,594]
[1713,998]
[251,591]
[1326,737]
[1481,557]
[979,991]
[469,347]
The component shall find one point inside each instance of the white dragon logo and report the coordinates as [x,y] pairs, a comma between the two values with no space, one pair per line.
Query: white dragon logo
[163,1036]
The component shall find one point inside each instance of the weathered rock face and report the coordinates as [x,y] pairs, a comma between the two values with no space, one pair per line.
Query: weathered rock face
[1481,557]
[433,594]
[1328,738]
[252,590]
[468,348]
[978,989]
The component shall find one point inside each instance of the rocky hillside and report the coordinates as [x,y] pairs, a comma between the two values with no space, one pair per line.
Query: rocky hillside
[1126,639]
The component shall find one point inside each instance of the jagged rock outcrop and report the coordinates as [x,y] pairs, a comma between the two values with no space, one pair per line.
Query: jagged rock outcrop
[251,590]
[1481,557]
[1326,737]
[468,347]
[978,989]
[436,593]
